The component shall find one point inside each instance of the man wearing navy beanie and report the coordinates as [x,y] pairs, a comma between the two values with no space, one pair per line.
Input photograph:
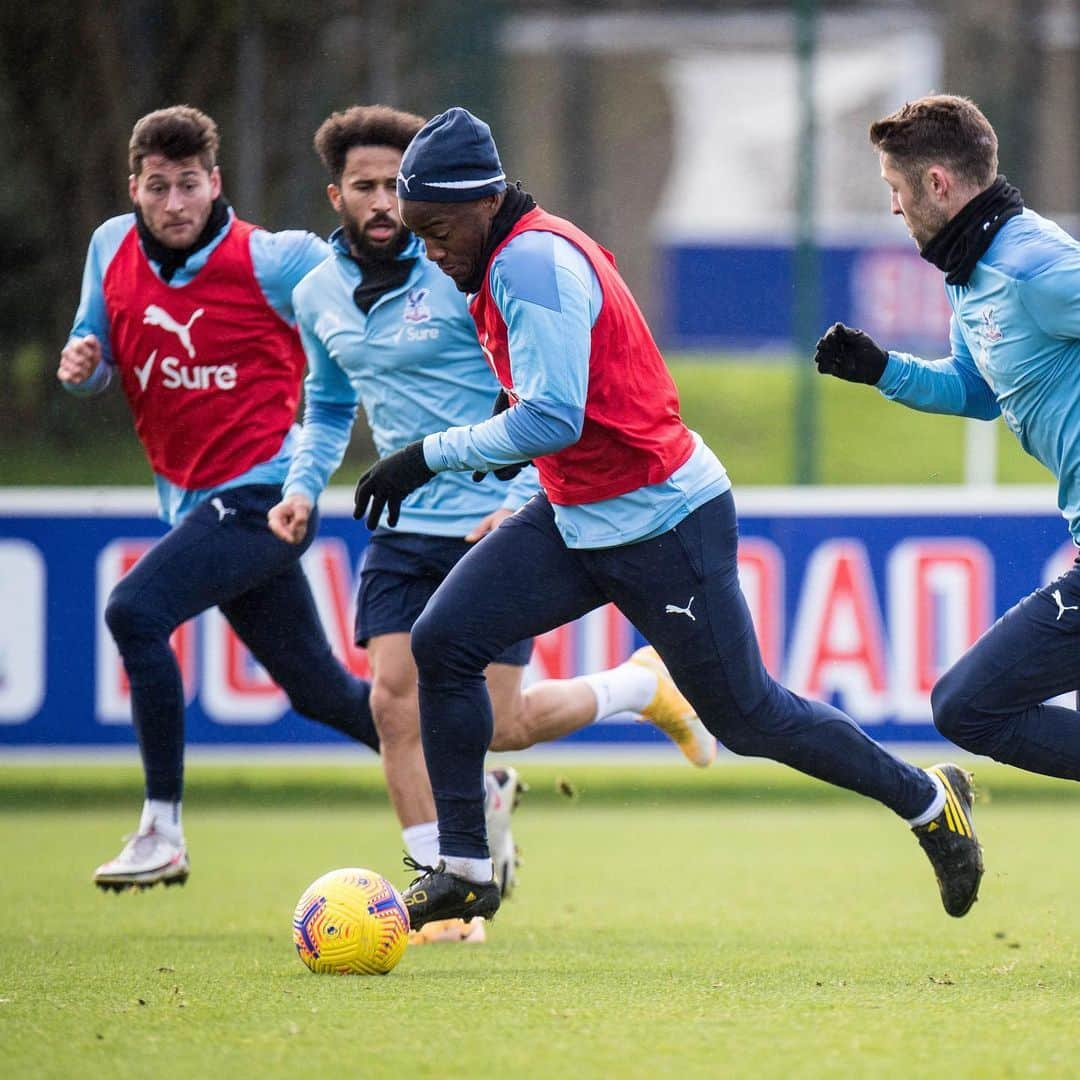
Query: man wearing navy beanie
[451,159]
[634,509]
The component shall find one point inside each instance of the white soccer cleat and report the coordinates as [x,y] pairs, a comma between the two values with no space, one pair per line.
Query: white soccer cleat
[450,932]
[502,792]
[147,859]
[673,714]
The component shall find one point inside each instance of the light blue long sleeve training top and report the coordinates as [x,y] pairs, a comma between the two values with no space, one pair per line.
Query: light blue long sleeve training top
[1015,350]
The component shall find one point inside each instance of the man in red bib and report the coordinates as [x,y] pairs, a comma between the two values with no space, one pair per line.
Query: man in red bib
[192,309]
[634,510]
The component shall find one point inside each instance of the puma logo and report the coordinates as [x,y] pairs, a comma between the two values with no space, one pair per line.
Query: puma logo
[674,609]
[1062,607]
[222,510]
[405,181]
[158,316]
[143,373]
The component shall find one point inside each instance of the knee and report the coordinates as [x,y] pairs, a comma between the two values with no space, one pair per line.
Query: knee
[742,740]
[754,720]
[128,620]
[396,713]
[955,714]
[434,643]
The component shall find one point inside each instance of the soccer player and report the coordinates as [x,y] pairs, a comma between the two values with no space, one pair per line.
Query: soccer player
[191,307]
[1013,282]
[634,509]
[385,329]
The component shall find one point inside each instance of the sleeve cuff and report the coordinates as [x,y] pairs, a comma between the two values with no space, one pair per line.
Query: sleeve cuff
[298,488]
[891,375]
[433,456]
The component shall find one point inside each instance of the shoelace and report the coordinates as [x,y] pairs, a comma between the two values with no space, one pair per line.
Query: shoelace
[412,864]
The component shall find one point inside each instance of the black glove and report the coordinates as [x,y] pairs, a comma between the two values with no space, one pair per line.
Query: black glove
[504,472]
[850,354]
[387,483]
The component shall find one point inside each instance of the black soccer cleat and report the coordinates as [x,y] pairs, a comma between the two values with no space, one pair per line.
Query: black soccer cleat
[950,842]
[437,894]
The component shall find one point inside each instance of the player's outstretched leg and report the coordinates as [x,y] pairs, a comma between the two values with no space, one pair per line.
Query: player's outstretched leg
[438,894]
[950,842]
[716,661]
[673,714]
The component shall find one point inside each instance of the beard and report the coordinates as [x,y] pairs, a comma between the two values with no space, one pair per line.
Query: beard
[369,252]
[926,220]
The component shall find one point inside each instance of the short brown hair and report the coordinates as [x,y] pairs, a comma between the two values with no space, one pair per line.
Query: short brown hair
[939,129]
[363,125]
[178,132]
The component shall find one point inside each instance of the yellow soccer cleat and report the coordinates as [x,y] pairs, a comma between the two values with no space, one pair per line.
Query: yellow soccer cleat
[450,931]
[673,714]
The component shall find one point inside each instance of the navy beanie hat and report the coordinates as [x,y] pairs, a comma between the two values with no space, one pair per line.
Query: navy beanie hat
[452,158]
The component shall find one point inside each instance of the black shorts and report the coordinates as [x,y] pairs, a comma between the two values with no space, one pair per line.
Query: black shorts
[398,576]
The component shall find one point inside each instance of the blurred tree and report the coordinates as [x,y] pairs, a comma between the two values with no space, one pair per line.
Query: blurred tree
[995,54]
[74,78]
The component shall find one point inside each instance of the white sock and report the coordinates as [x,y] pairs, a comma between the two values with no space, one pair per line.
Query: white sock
[626,688]
[935,807]
[422,842]
[479,870]
[164,816]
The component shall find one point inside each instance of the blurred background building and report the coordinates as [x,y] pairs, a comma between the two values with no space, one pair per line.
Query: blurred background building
[672,132]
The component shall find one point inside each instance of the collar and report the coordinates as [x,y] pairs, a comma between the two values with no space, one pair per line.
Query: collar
[964,239]
[170,260]
[515,206]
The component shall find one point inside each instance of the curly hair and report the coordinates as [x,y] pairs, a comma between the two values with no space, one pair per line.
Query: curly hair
[363,125]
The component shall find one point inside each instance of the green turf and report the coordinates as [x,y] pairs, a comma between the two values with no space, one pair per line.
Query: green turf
[743,406]
[781,930]
[744,409]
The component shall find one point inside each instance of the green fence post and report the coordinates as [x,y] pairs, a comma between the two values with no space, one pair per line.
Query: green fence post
[806,300]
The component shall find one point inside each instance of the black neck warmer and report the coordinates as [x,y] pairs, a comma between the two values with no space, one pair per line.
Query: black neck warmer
[172,259]
[515,205]
[963,241]
[383,272]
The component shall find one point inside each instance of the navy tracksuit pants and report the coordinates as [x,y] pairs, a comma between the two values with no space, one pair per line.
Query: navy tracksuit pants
[991,700]
[523,580]
[227,558]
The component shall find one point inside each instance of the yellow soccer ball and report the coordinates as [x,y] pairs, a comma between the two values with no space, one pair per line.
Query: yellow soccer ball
[351,922]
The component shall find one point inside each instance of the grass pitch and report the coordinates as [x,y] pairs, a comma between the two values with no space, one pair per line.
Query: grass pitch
[740,921]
